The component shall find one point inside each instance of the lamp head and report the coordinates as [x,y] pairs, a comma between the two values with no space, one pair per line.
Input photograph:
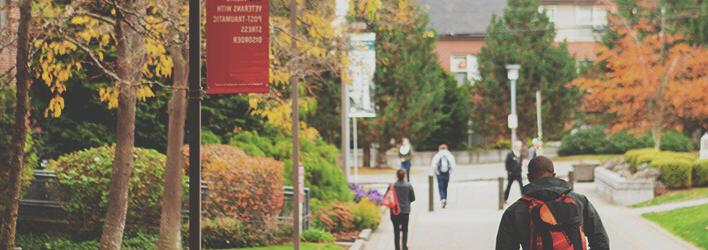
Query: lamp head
[513,71]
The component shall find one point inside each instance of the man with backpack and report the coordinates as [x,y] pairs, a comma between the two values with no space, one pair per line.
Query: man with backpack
[442,164]
[550,216]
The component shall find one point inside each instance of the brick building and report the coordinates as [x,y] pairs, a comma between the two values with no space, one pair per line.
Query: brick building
[461,26]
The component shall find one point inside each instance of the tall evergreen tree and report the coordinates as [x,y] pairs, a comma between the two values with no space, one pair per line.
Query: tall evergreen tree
[410,84]
[524,36]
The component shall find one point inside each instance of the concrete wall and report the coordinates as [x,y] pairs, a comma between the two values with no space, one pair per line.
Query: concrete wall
[424,158]
[620,190]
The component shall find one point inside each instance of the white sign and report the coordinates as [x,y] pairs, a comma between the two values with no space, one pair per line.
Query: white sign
[513,121]
[362,65]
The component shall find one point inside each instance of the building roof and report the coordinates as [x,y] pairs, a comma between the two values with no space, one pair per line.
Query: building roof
[462,18]
[470,18]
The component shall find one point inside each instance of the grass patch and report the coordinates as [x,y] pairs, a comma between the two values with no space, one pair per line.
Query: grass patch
[598,157]
[676,196]
[303,246]
[689,223]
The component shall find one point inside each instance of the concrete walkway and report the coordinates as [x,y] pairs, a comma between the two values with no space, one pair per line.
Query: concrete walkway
[670,206]
[471,218]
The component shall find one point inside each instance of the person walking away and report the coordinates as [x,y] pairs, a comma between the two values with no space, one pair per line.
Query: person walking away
[405,153]
[442,165]
[513,168]
[550,215]
[536,149]
[398,198]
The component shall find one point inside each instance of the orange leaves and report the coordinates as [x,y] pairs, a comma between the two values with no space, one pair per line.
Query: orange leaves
[652,78]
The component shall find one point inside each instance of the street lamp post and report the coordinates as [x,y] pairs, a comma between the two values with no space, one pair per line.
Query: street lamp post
[513,75]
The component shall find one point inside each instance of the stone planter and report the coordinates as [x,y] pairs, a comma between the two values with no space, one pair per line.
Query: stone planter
[585,172]
[620,190]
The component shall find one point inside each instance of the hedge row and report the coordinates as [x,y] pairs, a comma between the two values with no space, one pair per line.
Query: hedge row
[242,188]
[678,169]
[594,140]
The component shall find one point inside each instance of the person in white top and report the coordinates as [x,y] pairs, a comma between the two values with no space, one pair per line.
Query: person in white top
[442,165]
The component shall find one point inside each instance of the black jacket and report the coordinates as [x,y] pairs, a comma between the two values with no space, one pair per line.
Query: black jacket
[513,164]
[514,227]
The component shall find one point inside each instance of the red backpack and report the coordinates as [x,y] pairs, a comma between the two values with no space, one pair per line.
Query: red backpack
[390,200]
[555,225]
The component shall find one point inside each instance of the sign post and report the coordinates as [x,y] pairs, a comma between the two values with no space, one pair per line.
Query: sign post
[194,123]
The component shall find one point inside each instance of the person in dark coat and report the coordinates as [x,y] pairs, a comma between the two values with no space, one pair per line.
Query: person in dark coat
[514,226]
[406,195]
[513,168]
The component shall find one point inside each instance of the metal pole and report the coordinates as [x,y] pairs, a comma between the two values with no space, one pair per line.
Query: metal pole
[195,124]
[345,129]
[295,131]
[513,109]
[538,114]
[501,192]
[356,152]
[431,194]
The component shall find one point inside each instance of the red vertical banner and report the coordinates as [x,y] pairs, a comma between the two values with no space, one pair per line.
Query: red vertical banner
[237,43]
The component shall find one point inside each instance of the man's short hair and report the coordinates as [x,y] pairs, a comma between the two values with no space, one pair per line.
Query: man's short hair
[540,164]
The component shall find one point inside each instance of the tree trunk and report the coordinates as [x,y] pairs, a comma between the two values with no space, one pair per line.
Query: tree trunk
[367,155]
[170,219]
[130,60]
[381,159]
[656,135]
[11,196]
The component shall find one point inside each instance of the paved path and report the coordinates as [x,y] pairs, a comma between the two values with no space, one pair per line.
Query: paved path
[471,219]
[670,206]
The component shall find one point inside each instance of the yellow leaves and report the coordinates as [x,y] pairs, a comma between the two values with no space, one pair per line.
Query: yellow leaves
[144,93]
[109,95]
[56,105]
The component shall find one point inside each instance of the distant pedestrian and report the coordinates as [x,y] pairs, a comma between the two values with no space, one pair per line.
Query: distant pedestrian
[513,168]
[550,216]
[405,153]
[442,165]
[398,198]
[536,148]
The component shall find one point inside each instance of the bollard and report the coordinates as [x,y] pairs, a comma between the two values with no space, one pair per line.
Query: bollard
[431,195]
[501,193]
[571,179]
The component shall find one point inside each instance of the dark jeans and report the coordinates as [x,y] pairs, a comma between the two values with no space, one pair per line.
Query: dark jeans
[400,226]
[443,180]
[407,166]
[510,180]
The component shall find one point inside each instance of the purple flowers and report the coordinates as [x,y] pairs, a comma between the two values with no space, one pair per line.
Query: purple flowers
[359,192]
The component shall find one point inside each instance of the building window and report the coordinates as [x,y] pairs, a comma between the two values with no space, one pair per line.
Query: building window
[464,68]
[583,16]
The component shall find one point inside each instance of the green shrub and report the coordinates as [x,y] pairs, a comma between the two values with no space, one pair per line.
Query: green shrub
[633,156]
[7,127]
[675,173]
[676,141]
[222,232]
[502,144]
[700,173]
[137,241]
[585,141]
[317,236]
[622,141]
[366,215]
[209,137]
[323,175]
[84,178]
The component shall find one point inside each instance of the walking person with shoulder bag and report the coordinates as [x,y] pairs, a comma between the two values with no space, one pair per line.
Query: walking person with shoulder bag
[398,199]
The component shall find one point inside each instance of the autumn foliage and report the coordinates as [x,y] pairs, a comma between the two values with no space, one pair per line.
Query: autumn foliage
[244,187]
[652,78]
